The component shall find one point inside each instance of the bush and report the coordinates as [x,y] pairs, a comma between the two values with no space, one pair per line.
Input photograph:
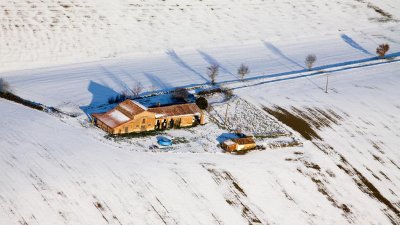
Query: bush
[202,103]
[117,99]
[180,94]
[243,71]
[228,92]
[209,91]
[382,50]
[212,72]
[136,90]
[4,86]
[310,60]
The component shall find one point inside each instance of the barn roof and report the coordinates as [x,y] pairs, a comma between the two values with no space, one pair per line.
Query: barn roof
[112,118]
[128,108]
[132,107]
[244,141]
[176,110]
[229,142]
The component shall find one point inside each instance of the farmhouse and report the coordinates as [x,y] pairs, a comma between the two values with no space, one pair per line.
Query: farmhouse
[238,144]
[130,116]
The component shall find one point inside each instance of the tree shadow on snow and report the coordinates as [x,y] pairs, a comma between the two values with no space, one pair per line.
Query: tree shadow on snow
[172,54]
[354,44]
[115,79]
[278,52]
[212,61]
[156,82]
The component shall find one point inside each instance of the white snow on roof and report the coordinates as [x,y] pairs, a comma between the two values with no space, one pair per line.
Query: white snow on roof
[140,105]
[126,107]
[229,142]
[119,116]
[160,115]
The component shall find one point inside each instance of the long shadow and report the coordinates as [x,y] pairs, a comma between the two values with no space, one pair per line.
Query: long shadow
[212,61]
[172,54]
[354,44]
[115,79]
[278,52]
[100,95]
[130,76]
[347,63]
[319,72]
[157,82]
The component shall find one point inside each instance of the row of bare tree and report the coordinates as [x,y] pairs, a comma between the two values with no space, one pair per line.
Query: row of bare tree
[213,71]
[380,51]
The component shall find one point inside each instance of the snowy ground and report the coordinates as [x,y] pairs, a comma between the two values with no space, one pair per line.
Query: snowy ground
[57,171]
[38,33]
[80,86]
[61,170]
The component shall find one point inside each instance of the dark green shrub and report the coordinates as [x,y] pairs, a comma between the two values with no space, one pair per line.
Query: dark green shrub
[202,103]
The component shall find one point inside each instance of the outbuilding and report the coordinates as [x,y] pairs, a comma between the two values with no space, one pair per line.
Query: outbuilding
[239,144]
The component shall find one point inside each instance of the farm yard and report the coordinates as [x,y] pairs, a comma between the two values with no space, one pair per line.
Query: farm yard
[327,134]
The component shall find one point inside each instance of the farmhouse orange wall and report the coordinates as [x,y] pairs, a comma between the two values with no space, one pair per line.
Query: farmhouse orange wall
[137,125]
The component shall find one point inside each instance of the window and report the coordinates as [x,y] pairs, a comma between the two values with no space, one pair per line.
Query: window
[143,120]
[126,129]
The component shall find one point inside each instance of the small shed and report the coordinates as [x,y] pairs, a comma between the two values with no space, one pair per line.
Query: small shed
[229,145]
[239,144]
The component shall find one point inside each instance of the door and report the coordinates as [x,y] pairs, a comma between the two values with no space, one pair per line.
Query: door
[143,127]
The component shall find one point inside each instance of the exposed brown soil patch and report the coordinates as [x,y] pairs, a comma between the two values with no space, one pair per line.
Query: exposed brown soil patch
[305,121]
[295,122]
[367,187]
[325,192]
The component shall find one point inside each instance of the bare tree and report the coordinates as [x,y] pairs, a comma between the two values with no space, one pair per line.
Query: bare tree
[310,60]
[4,86]
[212,72]
[382,50]
[243,71]
[137,89]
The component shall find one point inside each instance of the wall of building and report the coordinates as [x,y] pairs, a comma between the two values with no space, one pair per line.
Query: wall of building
[186,121]
[139,124]
[245,147]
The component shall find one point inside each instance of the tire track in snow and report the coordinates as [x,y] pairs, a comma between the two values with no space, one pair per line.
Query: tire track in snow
[306,124]
[152,202]
[235,195]
[198,195]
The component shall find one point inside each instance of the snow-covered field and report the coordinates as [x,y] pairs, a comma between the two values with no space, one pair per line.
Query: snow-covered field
[57,169]
[38,33]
